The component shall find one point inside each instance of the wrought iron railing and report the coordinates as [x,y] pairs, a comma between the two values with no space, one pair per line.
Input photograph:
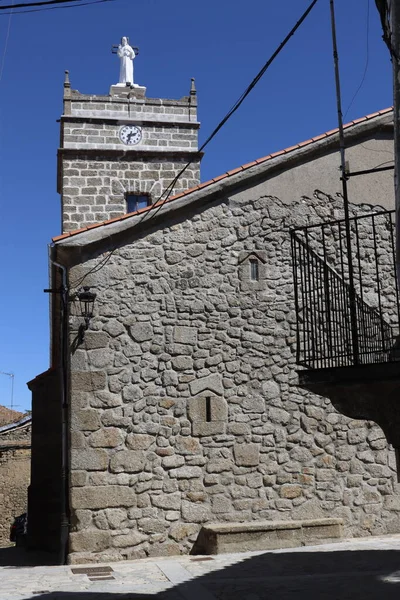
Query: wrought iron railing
[335,327]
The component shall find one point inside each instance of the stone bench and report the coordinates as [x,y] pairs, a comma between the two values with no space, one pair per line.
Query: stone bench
[221,538]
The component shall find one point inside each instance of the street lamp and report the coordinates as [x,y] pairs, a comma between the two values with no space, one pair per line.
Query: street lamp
[86,301]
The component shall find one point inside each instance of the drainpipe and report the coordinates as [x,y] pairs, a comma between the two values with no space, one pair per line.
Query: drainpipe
[64,504]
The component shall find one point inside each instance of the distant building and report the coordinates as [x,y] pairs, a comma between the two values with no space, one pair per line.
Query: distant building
[15,455]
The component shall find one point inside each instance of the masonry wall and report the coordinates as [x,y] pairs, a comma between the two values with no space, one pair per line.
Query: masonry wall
[94,188]
[184,405]
[96,169]
[146,109]
[15,453]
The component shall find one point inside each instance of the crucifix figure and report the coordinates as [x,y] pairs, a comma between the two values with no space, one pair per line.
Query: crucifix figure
[126,55]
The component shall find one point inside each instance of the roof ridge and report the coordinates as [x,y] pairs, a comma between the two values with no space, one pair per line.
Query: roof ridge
[16,424]
[227,174]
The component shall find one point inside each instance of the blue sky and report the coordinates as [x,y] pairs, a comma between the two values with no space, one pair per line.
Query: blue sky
[223,44]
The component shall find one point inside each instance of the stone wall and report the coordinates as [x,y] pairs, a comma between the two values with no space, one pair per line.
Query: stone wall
[184,403]
[157,136]
[147,109]
[96,169]
[94,189]
[15,454]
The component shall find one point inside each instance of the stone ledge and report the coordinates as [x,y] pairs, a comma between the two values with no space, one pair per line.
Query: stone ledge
[119,153]
[221,538]
[77,96]
[146,120]
[135,91]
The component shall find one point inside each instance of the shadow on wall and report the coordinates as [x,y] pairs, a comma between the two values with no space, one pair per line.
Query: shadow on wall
[19,557]
[367,574]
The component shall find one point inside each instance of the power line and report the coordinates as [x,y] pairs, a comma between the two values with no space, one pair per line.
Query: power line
[156,207]
[42,3]
[233,109]
[45,5]
[6,45]
[365,68]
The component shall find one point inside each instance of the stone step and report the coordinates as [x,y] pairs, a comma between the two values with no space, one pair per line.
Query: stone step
[220,538]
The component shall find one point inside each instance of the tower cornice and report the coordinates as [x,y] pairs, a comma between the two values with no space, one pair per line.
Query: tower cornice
[134,119]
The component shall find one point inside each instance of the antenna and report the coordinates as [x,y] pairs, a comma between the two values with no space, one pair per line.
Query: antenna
[11,375]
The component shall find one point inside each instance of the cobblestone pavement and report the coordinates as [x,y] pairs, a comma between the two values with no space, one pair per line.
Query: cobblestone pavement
[367,569]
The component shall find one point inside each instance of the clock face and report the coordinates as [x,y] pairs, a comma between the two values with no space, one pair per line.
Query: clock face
[130,134]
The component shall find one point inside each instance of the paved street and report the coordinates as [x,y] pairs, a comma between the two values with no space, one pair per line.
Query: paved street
[366,569]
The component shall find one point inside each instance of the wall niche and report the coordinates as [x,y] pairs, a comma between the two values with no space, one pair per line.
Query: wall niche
[252,270]
[208,414]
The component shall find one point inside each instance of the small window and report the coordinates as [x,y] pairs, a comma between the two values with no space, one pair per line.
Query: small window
[208,409]
[135,202]
[254,274]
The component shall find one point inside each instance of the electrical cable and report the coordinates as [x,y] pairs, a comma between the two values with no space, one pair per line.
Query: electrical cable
[234,108]
[41,3]
[6,45]
[156,207]
[365,68]
[45,7]
[383,164]
[380,150]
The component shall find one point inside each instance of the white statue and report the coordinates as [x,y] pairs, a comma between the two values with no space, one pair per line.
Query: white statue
[126,53]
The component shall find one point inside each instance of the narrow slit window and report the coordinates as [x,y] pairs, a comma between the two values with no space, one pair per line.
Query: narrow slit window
[208,409]
[135,202]
[254,271]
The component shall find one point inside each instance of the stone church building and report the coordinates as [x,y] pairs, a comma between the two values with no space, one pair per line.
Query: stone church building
[176,405]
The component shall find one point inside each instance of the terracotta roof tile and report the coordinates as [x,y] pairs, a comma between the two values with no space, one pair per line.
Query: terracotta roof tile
[203,185]
[114,219]
[372,115]
[92,226]
[223,176]
[61,237]
[141,210]
[250,164]
[318,137]
[81,230]
[229,173]
[234,171]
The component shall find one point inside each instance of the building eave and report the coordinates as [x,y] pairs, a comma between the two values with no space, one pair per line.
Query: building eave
[225,183]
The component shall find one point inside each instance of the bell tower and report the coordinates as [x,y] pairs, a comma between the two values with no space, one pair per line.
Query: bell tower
[120,151]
